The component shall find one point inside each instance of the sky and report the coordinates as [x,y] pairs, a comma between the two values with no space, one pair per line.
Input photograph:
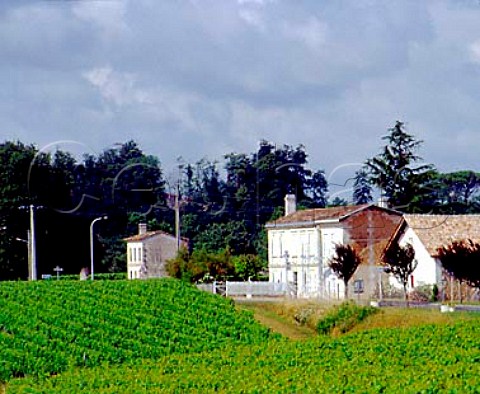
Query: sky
[202,78]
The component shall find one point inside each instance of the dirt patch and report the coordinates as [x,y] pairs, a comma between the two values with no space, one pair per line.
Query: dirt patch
[280,318]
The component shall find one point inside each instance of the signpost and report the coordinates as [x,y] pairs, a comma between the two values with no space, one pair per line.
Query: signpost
[58,269]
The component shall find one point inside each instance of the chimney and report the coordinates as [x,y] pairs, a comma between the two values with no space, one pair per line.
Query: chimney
[382,202]
[142,228]
[290,204]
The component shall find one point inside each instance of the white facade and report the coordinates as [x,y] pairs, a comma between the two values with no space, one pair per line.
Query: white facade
[134,259]
[301,244]
[300,256]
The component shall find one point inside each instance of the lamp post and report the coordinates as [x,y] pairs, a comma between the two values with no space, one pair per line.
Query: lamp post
[32,247]
[33,244]
[91,241]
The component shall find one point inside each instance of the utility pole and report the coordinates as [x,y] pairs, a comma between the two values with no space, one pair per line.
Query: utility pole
[177,218]
[287,266]
[33,248]
[29,251]
[31,242]
[177,205]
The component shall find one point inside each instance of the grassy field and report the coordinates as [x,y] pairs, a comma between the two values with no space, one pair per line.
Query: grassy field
[297,319]
[165,336]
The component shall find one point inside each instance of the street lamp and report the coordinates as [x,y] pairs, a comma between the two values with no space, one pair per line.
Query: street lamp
[91,241]
[32,247]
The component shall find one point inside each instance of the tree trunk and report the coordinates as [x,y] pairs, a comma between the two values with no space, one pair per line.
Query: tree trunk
[460,290]
[451,289]
[405,295]
[345,290]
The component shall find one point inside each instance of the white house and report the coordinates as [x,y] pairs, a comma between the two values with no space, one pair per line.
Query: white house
[148,252]
[301,243]
[427,233]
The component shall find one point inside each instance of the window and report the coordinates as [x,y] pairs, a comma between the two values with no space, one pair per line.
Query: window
[358,286]
[276,245]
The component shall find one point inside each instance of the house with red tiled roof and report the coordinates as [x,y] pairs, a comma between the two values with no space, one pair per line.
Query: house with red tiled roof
[427,233]
[301,244]
[148,252]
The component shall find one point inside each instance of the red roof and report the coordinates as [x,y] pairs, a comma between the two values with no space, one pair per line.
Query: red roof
[150,234]
[435,231]
[309,216]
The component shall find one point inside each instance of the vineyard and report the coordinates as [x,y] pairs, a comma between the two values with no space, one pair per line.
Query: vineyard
[165,336]
[426,359]
[47,327]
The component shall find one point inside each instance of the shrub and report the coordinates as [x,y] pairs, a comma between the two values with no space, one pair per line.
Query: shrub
[302,315]
[343,318]
[425,293]
[435,293]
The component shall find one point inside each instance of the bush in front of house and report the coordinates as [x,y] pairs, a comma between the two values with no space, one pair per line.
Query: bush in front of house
[425,293]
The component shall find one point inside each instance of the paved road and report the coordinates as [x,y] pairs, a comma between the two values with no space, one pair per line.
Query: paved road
[427,305]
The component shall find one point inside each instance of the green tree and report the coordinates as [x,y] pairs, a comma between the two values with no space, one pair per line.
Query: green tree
[219,236]
[20,178]
[318,189]
[248,266]
[362,189]
[456,192]
[394,170]
[114,258]
[338,202]
[201,265]
[344,263]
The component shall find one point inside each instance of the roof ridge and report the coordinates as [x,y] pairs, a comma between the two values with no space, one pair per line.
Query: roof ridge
[441,215]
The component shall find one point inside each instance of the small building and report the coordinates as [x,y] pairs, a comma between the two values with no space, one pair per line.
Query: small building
[428,233]
[148,252]
[301,244]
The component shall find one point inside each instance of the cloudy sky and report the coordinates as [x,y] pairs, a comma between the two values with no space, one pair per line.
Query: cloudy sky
[201,78]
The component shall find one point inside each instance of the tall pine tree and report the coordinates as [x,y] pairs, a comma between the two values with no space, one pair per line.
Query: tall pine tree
[394,170]
[362,189]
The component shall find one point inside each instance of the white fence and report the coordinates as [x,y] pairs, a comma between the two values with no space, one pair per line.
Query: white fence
[256,289]
[273,289]
[249,289]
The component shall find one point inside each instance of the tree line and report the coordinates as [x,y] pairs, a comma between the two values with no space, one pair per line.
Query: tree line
[223,208]
[218,213]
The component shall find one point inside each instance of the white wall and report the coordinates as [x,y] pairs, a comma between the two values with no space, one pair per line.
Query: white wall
[134,259]
[427,271]
[298,247]
[307,251]
[330,236]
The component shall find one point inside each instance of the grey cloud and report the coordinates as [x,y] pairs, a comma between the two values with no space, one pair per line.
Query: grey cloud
[199,78]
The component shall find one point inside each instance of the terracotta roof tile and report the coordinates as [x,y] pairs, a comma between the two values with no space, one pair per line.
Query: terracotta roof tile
[439,230]
[150,234]
[378,248]
[312,215]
